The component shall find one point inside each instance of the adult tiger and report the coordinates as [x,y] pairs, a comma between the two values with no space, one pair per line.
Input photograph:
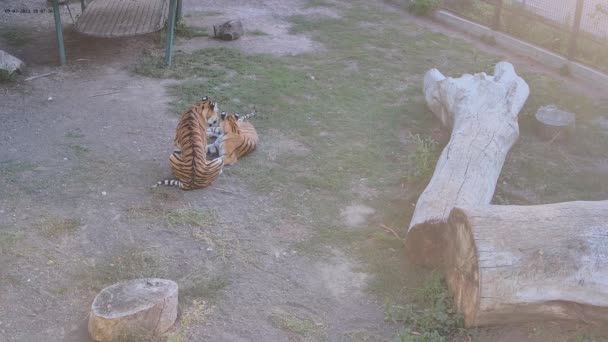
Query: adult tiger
[235,137]
[188,161]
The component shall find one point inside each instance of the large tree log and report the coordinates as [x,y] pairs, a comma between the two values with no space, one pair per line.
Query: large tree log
[482,111]
[509,264]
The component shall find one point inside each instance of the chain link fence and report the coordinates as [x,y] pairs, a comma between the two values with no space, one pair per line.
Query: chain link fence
[577,29]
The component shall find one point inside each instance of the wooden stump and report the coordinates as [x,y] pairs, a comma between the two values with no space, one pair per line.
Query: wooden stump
[141,307]
[230,30]
[554,124]
[482,111]
[510,264]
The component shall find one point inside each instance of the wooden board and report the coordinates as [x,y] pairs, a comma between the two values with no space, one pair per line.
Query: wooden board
[122,18]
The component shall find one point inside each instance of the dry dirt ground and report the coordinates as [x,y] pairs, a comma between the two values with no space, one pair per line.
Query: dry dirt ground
[79,151]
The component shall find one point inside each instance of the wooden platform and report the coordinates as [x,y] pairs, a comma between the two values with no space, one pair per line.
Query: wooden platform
[122,18]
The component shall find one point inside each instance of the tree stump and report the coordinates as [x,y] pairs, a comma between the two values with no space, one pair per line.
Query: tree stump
[511,264]
[230,30]
[554,124]
[482,111]
[141,307]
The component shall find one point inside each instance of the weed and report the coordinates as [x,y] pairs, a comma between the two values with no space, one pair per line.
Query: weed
[74,134]
[192,217]
[290,322]
[53,227]
[431,317]
[16,37]
[424,157]
[6,76]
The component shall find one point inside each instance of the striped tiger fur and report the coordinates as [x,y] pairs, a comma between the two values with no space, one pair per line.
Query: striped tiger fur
[188,161]
[235,137]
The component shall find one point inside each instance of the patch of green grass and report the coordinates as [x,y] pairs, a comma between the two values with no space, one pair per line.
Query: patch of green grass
[53,227]
[16,37]
[9,241]
[74,134]
[423,159]
[185,31]
[11,170]
[300,326]
[201,289]
[132,264]
[79,150]
[424,7]
[191,217]
[319,3]
[432,316]
[257,33]
[6,76]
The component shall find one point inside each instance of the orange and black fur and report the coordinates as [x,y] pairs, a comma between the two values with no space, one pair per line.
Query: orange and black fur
[235,137]
[189,161]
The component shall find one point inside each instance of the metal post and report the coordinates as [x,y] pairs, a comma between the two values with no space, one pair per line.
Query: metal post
[59,30]
[170,31]
[179,10]
[497,15]
[82,5]
[576,28]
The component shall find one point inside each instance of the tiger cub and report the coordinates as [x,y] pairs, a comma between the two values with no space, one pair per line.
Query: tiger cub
[188,161]
[235,137]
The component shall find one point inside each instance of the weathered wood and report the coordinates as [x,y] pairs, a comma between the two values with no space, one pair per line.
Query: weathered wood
[122,18]
[509,264]
[554,124]
[482,111]
[140,307]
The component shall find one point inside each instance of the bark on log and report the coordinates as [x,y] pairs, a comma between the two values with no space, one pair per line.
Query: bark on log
[136,308]
[482,112]
[510,264]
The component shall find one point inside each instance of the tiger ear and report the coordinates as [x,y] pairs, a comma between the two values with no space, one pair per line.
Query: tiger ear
[223,115]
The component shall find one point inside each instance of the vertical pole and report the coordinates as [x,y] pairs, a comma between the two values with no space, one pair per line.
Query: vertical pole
[497,15]
[575,28]
[59,30]
[170,32]
[179,10]
[82,5]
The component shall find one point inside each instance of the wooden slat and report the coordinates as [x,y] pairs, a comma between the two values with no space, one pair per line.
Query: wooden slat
[121,18]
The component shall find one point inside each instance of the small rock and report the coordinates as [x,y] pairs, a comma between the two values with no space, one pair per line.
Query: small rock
[230,30]
[50,262]
[50,98]
[103,193]
[10,63]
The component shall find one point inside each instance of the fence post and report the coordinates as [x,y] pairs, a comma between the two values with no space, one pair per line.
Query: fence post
[497,14]
[575,28]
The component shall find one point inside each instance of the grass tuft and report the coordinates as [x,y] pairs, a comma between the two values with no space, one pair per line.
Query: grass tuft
[301,326]
[53,227]
[191,217]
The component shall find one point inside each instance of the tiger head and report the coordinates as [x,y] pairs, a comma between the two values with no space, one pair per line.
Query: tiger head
[209,110]
[229,122]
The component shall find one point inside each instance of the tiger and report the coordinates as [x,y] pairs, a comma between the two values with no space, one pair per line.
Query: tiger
[235,137]
[188,161]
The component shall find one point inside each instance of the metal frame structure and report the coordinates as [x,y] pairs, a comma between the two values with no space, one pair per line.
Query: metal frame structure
[175,14]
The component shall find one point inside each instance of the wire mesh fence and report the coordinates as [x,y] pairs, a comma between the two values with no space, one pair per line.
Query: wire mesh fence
[577,29]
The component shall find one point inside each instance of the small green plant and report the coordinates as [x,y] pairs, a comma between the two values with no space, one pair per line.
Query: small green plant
[79,150]
[424,7]
[289,322]
[257,33]
[431,317]
[423,158]
[185,31]
[6,76]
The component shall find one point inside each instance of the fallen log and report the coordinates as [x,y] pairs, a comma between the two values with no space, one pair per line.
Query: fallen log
[511,264]
[482,112]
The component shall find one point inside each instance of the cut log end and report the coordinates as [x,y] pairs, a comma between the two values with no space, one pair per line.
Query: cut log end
[140,307]
[462,269]
[554,124]
[424,242]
